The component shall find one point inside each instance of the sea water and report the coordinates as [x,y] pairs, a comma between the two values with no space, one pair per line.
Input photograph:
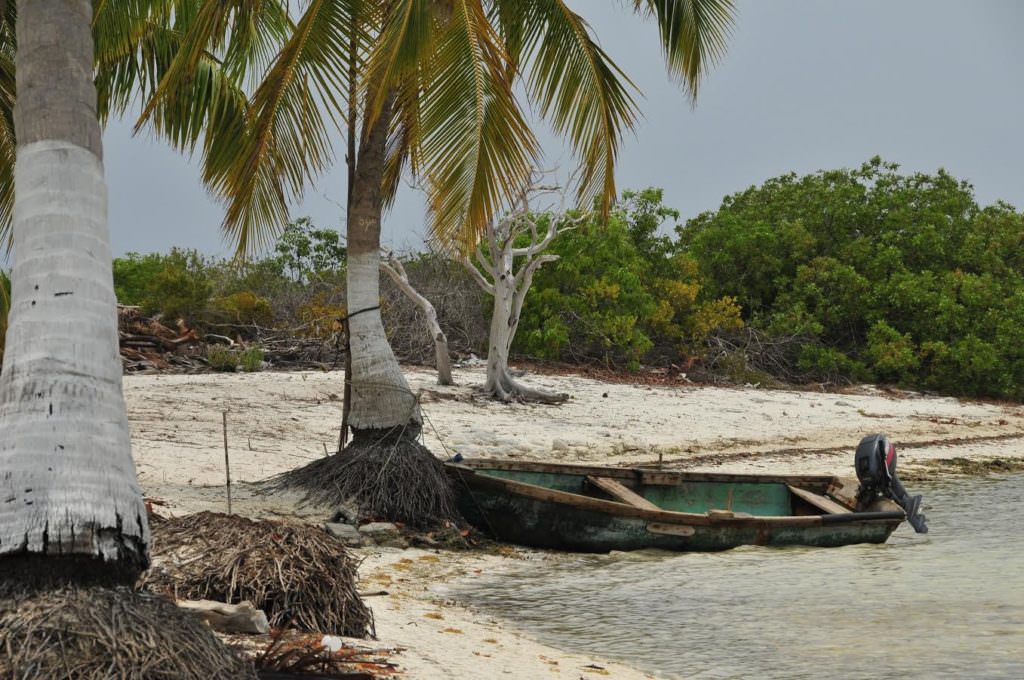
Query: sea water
[948,604]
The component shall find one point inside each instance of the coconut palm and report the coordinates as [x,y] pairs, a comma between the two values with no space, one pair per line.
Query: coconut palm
[71,497]
[69,481]
[5,305]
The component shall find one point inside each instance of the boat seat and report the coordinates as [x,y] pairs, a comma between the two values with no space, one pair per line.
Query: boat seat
[621,493]
[716,513]
[827,505]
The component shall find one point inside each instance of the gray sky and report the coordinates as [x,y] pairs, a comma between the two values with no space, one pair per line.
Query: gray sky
[805,86]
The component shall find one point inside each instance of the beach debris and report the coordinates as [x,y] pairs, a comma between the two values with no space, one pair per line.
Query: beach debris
[229,618]
[100,633]
[387,476]
[378,528]
[299,575]
[290,654]
[149,345]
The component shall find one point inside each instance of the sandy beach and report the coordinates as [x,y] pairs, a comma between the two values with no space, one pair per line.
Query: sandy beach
[277,421]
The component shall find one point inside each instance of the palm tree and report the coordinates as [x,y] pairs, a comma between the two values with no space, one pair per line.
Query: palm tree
[73,522]
[72,506]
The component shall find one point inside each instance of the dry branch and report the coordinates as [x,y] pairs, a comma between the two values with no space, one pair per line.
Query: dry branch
[394,268]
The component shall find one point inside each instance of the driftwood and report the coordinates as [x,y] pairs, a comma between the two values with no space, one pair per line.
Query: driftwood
[229,618]
[147,344]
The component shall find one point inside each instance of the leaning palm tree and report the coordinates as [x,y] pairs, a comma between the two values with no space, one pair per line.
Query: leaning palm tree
[421,86]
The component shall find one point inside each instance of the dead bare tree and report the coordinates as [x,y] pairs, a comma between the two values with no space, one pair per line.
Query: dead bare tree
[494,269]
[394,268]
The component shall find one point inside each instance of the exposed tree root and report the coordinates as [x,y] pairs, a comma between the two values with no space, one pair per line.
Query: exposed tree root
[383,474]
[505,387]
[102,633]
[298,574]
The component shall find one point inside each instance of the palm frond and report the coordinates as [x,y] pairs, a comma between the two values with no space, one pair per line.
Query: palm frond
[693,35]
[402,47]
[286,141]
[222,45]
[578,88]
[134,45]
[475,148]
[402,148]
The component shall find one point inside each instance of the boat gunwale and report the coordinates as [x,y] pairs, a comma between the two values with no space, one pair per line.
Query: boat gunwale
[546,494]
[652,476]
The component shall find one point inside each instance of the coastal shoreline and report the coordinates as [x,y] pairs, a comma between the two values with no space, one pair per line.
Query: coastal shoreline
[278,421]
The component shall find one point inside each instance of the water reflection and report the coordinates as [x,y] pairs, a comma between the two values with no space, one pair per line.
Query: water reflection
[946,604]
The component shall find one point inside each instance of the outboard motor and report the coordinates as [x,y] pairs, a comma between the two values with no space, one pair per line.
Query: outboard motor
[875,462]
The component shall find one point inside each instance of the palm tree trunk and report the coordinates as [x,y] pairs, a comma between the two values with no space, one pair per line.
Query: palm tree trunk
[381,398]
[68,487]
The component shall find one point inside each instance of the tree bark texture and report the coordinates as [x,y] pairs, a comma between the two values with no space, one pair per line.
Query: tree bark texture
[381,398]
[67,480]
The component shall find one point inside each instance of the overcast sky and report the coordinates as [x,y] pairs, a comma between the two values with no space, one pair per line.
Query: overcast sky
[806,85]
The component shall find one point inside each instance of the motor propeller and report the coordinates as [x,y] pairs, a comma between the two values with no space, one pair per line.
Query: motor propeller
[875,462]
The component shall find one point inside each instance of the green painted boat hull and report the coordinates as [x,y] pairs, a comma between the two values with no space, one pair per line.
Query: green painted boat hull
[545,506]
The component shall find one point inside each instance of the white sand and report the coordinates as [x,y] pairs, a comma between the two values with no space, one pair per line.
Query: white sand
[278,421]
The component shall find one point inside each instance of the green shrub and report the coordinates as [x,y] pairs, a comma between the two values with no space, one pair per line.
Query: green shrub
[176,285]
[244,308]
[251,359]
[828,364]
[221,358]
[882,275]
[892,353]
[134,274]
[310,254]
[622,294]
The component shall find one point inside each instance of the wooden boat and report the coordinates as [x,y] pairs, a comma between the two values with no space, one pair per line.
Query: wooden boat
[597,509]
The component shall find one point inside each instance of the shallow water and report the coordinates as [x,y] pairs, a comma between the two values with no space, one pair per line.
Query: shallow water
[946,604]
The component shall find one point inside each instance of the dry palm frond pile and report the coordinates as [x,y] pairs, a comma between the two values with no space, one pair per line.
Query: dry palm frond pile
[101,633]
[299,575]
[383,476]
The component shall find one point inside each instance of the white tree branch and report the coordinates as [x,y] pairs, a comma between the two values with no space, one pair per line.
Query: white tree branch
[477,276]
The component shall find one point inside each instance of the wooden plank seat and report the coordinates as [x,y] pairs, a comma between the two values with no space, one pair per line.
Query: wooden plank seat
[718,513]
[621,493]
[826,505]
